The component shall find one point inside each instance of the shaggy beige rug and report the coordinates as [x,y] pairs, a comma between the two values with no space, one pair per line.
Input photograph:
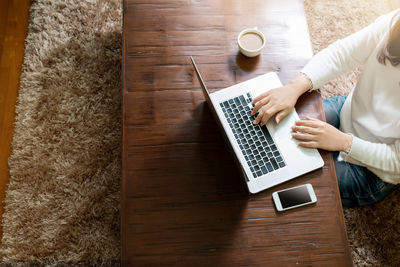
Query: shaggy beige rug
[62,203]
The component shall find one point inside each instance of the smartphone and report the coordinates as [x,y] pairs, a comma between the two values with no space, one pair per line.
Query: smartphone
[294,197]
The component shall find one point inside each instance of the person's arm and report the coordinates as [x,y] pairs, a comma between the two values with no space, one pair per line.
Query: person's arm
[346,54]
[376,155]
[336,59]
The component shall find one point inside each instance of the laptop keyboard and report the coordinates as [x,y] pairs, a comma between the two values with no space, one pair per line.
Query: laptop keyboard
[257,145]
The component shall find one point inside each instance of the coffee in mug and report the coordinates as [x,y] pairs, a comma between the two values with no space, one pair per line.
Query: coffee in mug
[251,41]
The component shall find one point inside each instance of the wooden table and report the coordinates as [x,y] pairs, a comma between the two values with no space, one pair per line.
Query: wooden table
[183,199]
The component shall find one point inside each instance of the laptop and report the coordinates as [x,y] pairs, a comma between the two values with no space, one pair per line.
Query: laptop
[267,155]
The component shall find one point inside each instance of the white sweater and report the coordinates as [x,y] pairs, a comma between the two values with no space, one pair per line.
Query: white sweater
[371,112]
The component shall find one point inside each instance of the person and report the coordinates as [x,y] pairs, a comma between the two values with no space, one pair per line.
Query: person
[362,129]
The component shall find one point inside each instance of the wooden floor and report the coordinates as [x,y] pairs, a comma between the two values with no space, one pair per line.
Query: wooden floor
[13,29]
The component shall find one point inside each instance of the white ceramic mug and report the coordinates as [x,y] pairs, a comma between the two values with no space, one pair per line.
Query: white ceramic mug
[247,52]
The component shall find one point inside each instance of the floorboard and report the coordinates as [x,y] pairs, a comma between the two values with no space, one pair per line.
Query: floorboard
[13,28]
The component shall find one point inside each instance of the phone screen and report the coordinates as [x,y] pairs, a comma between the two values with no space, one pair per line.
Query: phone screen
[294,197]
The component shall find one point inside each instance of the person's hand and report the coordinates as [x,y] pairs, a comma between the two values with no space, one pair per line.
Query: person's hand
[314,133]
[280,101]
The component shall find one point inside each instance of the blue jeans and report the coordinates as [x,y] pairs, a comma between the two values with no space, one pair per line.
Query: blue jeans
[358,186]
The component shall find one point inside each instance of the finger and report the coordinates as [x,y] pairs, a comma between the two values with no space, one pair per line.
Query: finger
[305,129]
[258,119]
[281,115]
[259,105]
[261,112]
[262,115]
[265,119]
[258,98]
[268,113]
[304,137]
[309,123]
[312,119]
[308,144]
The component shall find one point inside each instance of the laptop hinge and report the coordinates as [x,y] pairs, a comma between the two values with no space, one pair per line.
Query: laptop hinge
[244,173]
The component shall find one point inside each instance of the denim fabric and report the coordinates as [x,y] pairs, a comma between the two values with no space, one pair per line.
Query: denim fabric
[358,186]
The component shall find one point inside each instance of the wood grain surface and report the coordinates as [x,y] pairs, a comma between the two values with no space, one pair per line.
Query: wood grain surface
[13,29]
[183,199]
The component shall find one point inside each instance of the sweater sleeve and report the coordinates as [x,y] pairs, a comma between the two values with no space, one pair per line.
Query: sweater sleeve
[378,156]
[346,54]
